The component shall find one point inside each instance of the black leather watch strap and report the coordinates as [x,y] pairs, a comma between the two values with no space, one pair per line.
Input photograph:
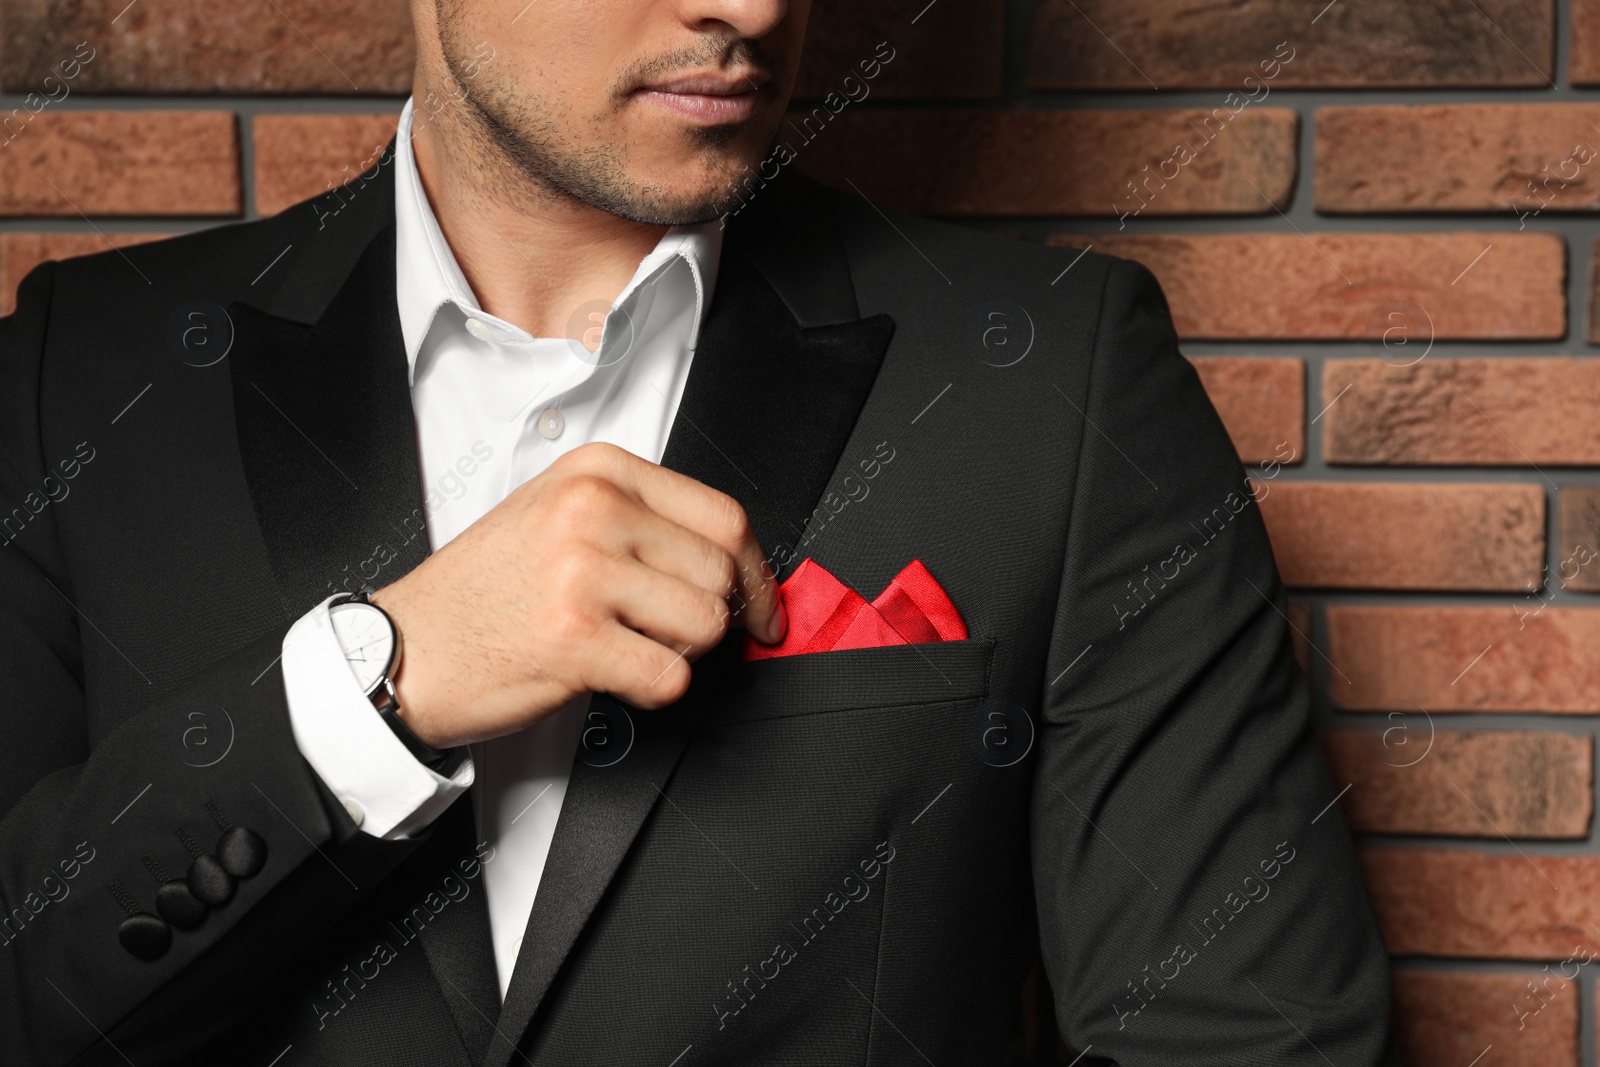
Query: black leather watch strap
[434,759]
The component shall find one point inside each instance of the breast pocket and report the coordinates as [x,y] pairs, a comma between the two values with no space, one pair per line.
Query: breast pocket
[856,679]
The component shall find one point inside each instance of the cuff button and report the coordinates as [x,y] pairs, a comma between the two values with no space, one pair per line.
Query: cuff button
[242,853]
[145,936]
[209,883]
[357,813]
[178,906]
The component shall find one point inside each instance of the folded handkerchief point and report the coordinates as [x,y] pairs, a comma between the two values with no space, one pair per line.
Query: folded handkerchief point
[826,615]
[914,599]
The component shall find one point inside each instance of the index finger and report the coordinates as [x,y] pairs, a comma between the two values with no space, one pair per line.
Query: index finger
[720,519]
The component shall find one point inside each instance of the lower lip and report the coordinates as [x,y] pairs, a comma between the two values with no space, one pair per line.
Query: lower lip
[703,108]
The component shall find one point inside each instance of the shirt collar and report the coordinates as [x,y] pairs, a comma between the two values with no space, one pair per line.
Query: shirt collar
[428,276]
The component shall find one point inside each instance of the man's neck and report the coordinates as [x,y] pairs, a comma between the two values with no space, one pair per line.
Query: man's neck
[531,255]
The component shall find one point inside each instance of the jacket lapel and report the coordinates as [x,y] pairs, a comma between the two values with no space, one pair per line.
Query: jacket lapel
[328,437]
[769,403]
[457,940]
[782,369]
[327,434]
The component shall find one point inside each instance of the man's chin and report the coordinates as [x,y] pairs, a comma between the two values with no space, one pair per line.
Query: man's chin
[655,213]
[664,187]
[680,207]
[699,185]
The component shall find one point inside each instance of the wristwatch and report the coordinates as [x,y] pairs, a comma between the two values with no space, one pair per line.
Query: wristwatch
[371,645]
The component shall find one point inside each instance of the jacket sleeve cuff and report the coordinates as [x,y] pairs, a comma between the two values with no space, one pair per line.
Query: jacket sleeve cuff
[338,731]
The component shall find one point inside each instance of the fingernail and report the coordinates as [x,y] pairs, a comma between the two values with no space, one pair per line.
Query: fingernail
[780,621]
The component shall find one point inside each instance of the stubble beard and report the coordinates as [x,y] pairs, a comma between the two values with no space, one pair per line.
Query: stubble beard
[506,127]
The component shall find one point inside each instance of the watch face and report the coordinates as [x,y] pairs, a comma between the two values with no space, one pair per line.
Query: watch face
[367,640]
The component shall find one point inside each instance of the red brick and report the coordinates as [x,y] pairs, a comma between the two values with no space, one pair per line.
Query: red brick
[1272,286]
[300,156]
[1594,292]
[1070,162]
[1514,412]
[1506,905]
[954,49]
[21,252]
[1522,159]
[1262,402]
[1350,535]
[1526,158]
[1465,658]
[122,163]
[1583,68]
[1413,778]
[208,46]
[1449,1019]
[1147,44]
[1578,542]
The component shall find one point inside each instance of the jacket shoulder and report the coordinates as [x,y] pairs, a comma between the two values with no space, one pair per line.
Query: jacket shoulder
[206,260]
[285,264]
[966,261]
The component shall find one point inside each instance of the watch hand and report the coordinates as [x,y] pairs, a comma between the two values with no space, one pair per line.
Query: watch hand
[369,644]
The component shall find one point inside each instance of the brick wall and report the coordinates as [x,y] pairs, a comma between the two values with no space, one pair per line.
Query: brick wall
[1375,225]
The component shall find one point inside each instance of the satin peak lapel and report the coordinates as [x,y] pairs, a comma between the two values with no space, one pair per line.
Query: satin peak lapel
[329,439]
[766,413]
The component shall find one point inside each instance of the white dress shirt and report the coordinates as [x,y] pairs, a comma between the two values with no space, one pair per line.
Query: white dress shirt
[494,407]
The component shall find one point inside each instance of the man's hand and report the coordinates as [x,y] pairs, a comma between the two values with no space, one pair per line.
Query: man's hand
[605,573]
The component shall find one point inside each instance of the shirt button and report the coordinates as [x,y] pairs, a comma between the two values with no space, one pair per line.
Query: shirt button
[477,329]
[551,423]
[357,814]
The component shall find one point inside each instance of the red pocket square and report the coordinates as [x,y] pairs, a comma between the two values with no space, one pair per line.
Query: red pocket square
[826,615]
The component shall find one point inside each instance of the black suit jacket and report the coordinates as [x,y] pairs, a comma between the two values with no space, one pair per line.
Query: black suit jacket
[842,857]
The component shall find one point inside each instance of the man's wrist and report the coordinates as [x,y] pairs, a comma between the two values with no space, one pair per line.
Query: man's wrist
[440,761]
[400,712]
[340,734]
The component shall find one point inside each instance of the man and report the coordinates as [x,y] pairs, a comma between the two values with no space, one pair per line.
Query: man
[396,664]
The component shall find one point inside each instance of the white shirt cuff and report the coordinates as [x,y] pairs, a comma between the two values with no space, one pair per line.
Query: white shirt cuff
[353,751]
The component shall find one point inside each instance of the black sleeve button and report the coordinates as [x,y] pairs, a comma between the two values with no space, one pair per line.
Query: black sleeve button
[176,904]
[209,883]
[241,852]
[145,936]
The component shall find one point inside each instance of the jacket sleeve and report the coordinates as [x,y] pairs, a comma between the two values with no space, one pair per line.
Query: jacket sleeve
[146,888]
[1199,901]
